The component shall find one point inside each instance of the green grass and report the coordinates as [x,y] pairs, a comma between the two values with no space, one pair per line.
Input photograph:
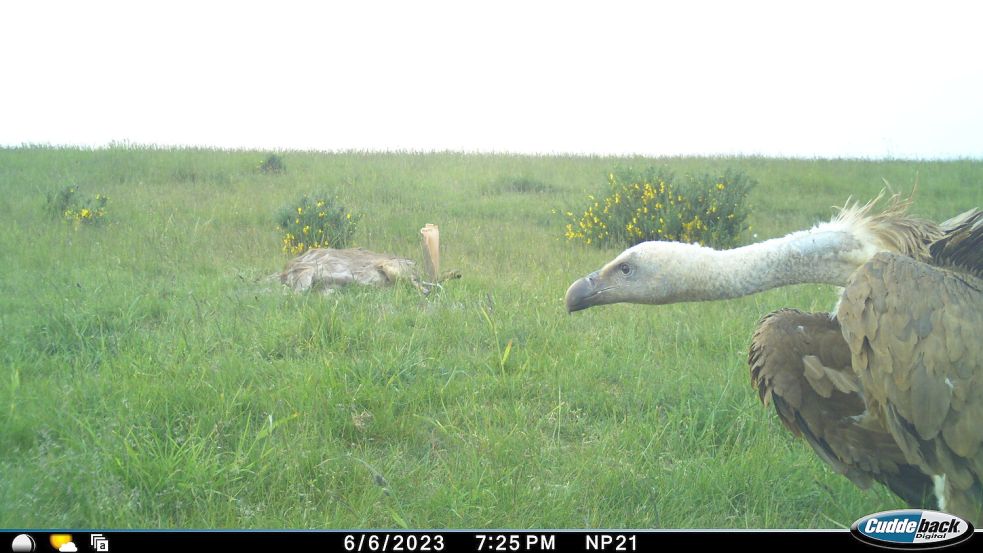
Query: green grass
[151,377]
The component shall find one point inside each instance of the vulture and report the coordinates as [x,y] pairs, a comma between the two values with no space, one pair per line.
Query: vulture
[889,386]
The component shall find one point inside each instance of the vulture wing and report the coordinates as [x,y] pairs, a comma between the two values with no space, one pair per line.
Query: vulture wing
[914,333]
[962,245]
[801,364]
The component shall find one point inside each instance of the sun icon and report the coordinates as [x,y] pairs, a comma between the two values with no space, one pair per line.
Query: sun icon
[62,542]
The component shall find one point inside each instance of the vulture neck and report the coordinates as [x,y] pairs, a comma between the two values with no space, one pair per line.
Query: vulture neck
[827,254]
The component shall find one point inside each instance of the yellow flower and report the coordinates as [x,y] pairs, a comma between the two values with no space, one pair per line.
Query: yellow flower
[85,213]
[300,211]
[720,186]
[307,229]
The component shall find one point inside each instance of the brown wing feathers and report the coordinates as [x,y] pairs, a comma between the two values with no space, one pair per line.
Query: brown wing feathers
[801,364]
[892,388]
[914,330]
[962,246]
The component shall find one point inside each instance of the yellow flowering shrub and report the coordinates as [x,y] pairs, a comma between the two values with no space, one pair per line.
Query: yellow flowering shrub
[656,205]
[316,222]
[71,205]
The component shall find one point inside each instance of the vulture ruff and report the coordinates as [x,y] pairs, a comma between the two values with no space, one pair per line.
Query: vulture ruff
[888,387]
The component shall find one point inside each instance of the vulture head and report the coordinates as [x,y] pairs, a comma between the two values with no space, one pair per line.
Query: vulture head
[651,272]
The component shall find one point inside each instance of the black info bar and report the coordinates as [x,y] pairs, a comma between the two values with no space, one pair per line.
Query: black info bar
[434,541]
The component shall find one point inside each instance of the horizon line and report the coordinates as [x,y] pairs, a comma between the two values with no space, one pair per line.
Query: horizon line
[130,145]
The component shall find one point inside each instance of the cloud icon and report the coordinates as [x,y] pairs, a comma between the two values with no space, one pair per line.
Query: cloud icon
[68,547]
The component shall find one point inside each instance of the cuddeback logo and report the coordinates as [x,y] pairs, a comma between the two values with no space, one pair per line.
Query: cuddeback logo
[912,529]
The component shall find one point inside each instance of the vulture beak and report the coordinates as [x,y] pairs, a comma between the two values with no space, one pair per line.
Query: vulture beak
[584,293]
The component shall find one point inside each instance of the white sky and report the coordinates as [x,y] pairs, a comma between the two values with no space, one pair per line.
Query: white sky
[808,79]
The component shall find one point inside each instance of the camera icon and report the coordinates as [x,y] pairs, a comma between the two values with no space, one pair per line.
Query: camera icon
[99,543]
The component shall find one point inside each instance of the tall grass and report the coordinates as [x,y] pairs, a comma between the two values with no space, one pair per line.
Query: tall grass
[152,377]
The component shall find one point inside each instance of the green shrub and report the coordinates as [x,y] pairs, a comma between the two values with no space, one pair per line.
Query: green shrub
[72,205]
[316,222]
[656,205]
[273,164]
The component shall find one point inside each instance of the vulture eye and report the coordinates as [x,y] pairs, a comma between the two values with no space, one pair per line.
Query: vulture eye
[625,268]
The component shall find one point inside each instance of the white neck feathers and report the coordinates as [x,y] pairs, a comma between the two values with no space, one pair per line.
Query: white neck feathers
[826,254]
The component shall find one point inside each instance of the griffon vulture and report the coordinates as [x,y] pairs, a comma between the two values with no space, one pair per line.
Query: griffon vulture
[887,388]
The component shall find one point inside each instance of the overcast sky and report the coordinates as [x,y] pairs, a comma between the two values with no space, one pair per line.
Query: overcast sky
[804,79]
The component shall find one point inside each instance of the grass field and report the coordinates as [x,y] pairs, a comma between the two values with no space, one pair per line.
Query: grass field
[151,377]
